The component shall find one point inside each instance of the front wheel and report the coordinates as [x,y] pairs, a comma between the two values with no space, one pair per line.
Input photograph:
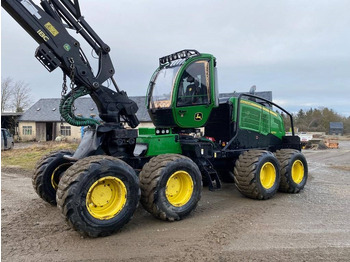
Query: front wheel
[48,172]
[98,195]
[171,186]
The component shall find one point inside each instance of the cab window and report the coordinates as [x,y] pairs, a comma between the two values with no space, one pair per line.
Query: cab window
[194,87]
[161,91]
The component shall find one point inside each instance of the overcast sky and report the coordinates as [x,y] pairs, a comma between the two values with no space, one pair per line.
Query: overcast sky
[299,50]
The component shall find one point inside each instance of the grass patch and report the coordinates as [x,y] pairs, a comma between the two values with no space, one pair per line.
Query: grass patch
[26,158]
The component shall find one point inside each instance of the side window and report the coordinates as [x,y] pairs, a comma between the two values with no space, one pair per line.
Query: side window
[65,131]
[27,130]
[194,87]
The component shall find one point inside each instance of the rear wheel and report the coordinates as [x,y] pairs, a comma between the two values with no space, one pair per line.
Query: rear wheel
[98,195]
[294,170]
[170,186]
[49,170]
[257,174]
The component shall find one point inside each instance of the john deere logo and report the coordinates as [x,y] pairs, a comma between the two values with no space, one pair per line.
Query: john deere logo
[198,116]
[66,47]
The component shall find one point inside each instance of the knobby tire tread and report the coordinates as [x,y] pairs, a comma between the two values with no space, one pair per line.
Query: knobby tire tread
[149,178]
[65,193]
[37,177]
[245,173]
[283,156]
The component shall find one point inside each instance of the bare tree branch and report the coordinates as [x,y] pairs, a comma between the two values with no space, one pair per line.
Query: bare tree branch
[6,93]
[14,95]
[21,96]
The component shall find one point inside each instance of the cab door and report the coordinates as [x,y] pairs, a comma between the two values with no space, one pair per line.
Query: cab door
[194,96]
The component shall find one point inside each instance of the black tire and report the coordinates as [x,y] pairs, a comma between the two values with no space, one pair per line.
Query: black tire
[98,195]
[49,169]
[157,199]
[292,179]
[257,174]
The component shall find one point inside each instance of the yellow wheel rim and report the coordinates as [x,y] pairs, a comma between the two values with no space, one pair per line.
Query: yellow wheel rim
[267,175]
[179,188]
[297,171]
[56,173]
[106,198]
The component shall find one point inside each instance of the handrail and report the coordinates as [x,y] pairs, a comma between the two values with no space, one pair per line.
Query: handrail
[238,113]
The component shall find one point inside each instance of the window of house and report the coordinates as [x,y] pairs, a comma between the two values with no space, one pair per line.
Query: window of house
[65,130]
[27,130]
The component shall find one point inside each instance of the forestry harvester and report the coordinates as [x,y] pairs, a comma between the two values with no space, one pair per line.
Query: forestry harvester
[197,139]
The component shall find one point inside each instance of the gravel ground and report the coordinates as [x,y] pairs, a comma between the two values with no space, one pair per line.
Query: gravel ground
[310,226]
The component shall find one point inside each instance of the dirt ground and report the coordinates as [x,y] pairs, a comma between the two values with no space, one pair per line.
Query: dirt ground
[310,226]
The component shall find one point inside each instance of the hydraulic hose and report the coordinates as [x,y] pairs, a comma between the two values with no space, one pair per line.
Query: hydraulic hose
[66,109]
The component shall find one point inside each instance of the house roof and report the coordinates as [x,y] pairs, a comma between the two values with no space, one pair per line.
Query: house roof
[47,109]
[336,125]
[11,113]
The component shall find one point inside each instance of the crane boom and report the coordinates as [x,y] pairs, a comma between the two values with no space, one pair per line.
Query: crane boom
[48,25]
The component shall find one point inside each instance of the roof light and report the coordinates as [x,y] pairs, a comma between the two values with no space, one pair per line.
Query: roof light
[187,53]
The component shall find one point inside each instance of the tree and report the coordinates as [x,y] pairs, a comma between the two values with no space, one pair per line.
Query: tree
[300,120]
[21,96]
[301,114]
[318,119]
[347,125]
[14,95]
[6,92]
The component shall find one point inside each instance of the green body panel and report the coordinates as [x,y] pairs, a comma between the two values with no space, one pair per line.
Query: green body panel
[256,117]
[159,144]
[234,101]
[191,116]
[196,115]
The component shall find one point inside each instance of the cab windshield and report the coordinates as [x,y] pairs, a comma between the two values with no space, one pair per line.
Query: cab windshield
[160,91]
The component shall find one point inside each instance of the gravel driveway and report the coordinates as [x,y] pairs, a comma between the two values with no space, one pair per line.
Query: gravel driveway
[310,226]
